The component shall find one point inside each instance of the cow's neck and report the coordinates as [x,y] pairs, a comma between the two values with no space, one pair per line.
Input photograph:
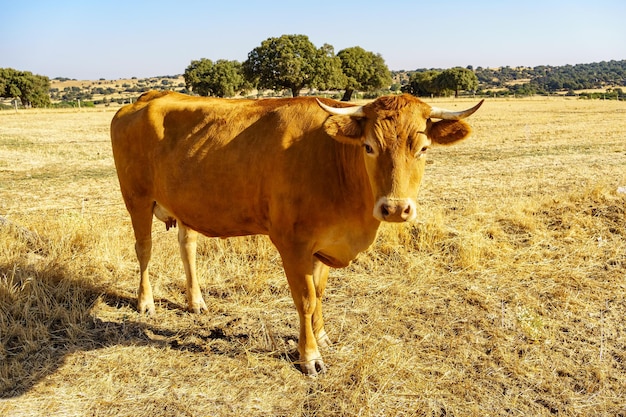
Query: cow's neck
[355,184]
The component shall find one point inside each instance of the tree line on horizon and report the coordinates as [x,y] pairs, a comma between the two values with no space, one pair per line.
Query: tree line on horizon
[546,79]
[292,63]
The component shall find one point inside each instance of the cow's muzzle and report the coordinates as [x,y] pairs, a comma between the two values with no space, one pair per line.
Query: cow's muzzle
[395,209]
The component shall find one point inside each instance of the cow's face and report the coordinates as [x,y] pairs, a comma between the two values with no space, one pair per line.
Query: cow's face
[395,134]
[394,150]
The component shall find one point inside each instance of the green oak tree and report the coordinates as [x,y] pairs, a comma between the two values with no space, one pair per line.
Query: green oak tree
[294,63]
[31,89]
[457,79]
[422,84]
[363,70]
[220,79]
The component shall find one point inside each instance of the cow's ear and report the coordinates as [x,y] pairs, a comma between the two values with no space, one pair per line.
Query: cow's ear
[447,132]
[345,129]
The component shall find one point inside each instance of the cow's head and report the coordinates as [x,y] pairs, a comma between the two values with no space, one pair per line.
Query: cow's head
[395,133]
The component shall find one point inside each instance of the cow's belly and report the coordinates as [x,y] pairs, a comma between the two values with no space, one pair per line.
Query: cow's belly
[209,221]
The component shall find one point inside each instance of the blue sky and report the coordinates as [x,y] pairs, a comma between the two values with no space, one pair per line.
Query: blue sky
[121,39]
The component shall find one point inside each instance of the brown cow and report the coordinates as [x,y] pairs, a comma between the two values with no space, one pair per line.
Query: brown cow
[317,179]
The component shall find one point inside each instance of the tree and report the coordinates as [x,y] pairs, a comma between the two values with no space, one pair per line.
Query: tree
[293,62]
[221,79]
[31,89]
[196,76]
[364,70]
[328,73]
[422,83]
[228,78]
[457,79]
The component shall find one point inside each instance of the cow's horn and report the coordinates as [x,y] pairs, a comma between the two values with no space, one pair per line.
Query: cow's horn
[437,113]
[355,111]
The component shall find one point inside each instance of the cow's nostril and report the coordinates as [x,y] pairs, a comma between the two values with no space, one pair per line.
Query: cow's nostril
[396,210]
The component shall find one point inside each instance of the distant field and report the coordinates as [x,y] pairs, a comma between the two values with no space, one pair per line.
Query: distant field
[61,84]
[119,88]
[507,298]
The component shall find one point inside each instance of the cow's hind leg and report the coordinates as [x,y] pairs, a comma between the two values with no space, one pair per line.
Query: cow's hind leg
[141,218]
[187,240]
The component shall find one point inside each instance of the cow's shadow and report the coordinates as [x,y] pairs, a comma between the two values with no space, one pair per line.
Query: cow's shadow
[48,315]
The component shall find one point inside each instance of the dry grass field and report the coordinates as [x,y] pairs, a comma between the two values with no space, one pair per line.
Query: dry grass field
[508,298]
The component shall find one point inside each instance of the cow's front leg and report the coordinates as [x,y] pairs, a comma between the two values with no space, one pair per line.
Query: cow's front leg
[320,276]
[187,240]
[299,271]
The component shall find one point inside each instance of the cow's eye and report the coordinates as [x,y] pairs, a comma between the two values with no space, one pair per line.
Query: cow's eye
[368,149]
[422,152]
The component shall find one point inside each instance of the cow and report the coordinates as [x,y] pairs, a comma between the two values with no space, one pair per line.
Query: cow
[316,175]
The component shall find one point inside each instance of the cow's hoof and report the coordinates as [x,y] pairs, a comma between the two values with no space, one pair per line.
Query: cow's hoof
[323,340]
[313,368]
[198,307]
[146,309]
